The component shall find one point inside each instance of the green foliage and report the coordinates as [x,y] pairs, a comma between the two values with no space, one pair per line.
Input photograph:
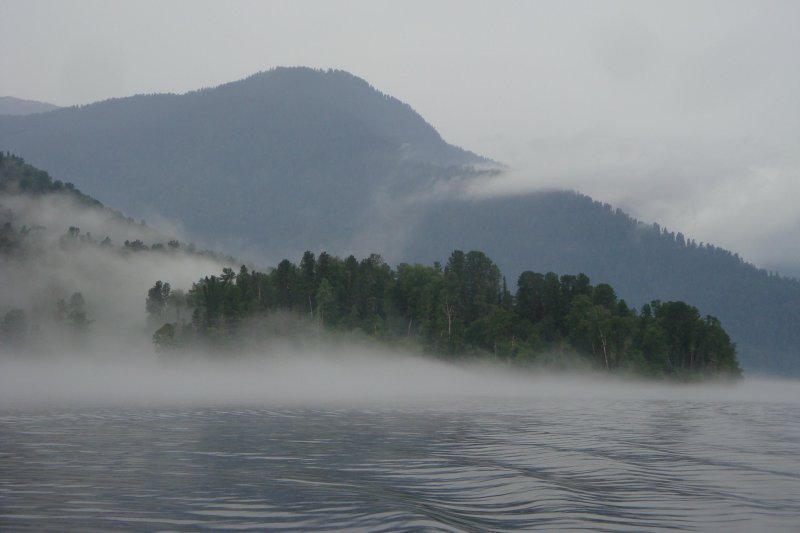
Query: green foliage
[464,308]
[156,303]
[569,232]
[18,177]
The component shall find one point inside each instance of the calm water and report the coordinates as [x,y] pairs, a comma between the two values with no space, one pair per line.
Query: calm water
[453,465]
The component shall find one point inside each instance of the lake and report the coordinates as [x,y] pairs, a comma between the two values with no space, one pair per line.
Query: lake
[679,460]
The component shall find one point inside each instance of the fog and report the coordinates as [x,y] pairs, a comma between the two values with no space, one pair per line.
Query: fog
[730,193]
[329,375]
[278,359]
[680,112]
[113,284]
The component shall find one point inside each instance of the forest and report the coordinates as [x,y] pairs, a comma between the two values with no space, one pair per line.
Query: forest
[60,284]
[462,309]
[321,160]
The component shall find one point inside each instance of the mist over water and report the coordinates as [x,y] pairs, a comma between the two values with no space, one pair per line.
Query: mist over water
[314,431]
[297,428]
[359,373]
[351,438]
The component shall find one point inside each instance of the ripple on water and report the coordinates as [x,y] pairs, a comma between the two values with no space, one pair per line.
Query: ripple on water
[490,466]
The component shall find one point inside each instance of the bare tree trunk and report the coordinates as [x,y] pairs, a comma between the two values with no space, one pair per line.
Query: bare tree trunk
[604,345]
[448,310]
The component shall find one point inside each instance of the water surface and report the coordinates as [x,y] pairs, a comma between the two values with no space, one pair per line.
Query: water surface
[448,464]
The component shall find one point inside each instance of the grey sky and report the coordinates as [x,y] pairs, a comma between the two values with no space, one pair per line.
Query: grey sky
[683,113]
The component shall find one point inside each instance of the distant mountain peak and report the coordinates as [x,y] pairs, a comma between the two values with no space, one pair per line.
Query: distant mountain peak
[294,137]
[340,91]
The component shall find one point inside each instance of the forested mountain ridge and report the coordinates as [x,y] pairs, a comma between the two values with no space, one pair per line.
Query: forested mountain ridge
[72,270]
[60,292]
[18,106]
[21,182]
[569,232]
[297,159]
[18,177]
[299,155]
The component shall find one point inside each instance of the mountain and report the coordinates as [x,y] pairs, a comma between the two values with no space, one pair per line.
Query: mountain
[567,232]
[16,106]
[72,294]
[73,273]
[285,160]
[296,159]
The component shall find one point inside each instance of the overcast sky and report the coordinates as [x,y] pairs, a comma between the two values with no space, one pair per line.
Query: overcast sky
[684,113]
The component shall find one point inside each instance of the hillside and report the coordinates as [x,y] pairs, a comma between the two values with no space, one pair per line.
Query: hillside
[568,232]
[18,177]
[73,293]
[72,272]
[17,106]
[301,154]
[298,159]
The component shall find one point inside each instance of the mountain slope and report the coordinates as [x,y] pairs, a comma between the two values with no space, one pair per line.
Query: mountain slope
[569,233]
[298,159]
[278,146]
[73,274]
[17,106]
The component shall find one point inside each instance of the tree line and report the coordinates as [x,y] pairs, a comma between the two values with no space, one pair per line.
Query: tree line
[460,309]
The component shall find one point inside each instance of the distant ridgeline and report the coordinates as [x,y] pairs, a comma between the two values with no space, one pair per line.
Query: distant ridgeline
[459,310]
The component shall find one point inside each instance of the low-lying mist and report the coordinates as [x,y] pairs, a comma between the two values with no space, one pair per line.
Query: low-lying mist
[280,360]
[360,373]
[65,254]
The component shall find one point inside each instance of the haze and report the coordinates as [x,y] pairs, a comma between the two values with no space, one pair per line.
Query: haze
[680,112]
[345,374]
[114,285]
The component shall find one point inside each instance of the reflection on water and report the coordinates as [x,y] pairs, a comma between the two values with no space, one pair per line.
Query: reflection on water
[468,465]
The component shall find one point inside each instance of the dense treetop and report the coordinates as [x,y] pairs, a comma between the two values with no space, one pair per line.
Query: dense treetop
[18,177]
[569,232]
[460,309]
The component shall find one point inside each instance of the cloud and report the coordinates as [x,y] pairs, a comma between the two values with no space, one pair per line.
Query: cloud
[674,110]
[736,193]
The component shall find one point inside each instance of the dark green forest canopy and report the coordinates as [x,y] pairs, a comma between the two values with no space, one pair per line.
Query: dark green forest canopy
[18,177]
[569,232]
[461,309]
